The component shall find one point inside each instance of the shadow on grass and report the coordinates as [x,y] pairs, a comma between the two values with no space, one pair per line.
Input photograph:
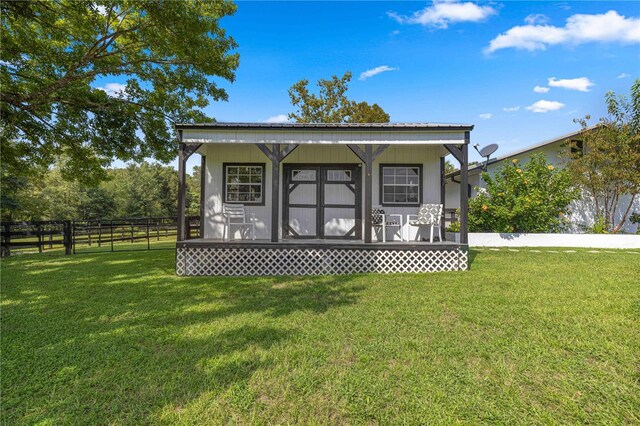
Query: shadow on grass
[106,340]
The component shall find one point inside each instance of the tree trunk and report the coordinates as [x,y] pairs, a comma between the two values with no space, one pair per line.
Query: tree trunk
[624,216]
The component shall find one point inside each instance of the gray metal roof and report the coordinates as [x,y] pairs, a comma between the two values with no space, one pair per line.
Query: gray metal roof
[327,126]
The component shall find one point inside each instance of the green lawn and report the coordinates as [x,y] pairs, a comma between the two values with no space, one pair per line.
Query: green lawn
[523,337]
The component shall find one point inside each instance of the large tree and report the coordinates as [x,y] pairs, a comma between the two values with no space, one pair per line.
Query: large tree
[608,166]
[54,51]
[331,104]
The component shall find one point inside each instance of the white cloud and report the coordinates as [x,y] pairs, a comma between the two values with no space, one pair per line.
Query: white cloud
[624,75]
[536,18]
[115,90]
[280,118]
[441,13]
[608,27]
[541,89]
[102,10]
[374,71]
[545,106]
[511,109]
[581,84]
[486,116]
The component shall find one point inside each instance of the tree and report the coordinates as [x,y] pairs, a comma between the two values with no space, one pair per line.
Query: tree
[449,167]
[331,104]
[53,52]
[608,165]
[523,198]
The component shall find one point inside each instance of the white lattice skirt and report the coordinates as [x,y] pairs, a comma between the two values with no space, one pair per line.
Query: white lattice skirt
[272,261]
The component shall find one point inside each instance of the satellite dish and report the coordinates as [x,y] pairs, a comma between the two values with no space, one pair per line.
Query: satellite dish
[488,150]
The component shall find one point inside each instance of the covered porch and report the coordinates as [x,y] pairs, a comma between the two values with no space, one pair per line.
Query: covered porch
[313,192]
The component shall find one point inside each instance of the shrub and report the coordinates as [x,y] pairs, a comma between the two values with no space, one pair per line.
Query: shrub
[523,198]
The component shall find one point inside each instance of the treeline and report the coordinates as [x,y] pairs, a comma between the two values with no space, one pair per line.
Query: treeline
[140,190]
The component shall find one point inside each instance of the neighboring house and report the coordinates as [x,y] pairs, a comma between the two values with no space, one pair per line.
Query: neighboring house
[555,150]
[311,189]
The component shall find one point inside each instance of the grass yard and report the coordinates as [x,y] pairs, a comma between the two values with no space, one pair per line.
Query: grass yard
[524,337]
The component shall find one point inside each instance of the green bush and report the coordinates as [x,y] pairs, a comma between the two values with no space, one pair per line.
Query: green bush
[523,198]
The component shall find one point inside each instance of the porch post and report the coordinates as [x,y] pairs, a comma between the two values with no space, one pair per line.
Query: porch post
[368,189]
[464,190]
[276,155]
[182,193]
[442,194]
[275,193]
[203,181]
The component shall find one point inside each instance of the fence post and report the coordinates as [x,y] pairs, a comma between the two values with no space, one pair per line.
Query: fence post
[7,240]
[148,242]
[132,233]
[67,237]
[111,235]
[99,234]
[39,232]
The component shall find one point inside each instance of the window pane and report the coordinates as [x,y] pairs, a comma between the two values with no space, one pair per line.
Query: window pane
[400,185]
[244,184]
[339,175]
[303,175]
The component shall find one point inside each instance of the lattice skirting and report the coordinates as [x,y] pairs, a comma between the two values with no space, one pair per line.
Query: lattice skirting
[260,261]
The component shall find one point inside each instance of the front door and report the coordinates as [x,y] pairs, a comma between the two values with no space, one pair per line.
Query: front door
[322,201]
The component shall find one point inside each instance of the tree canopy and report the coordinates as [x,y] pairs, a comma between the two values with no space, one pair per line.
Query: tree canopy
[53,52]
[608,166]
[331,104]
[139,190]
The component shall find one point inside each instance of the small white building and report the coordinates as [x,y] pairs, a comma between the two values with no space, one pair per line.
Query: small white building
[310,190]
[583,211]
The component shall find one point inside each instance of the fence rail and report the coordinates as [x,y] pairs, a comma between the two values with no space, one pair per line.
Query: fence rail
[93,235]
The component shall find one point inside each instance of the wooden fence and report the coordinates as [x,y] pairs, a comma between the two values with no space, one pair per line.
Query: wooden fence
[92,235]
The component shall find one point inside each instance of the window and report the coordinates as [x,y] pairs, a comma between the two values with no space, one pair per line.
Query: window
[576,148]
[400,184]
[244,183]
[339,175]
[303,175]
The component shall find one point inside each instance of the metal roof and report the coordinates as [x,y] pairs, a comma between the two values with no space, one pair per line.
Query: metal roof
[326,126]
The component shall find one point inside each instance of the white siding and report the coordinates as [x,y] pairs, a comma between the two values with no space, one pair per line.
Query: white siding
[405,137]
[428,156]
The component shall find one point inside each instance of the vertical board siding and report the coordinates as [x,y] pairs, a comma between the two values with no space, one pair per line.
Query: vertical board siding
[217,154]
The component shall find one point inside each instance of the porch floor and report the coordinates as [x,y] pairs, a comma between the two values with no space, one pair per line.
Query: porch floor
[319,243]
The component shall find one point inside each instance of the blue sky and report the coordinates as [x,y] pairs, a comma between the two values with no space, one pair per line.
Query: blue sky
[452,62]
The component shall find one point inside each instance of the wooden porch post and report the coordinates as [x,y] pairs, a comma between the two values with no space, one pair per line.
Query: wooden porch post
[276,155]
[184,152]
[368,189]
[275,194]
[442,194]
[464,190]
[368,156]
[203,181]
[182,190]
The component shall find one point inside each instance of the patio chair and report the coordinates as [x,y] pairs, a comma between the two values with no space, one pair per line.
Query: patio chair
[428,215]
[379,219]
[234,215]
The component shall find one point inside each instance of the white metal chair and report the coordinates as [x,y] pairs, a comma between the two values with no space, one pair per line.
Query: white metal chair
[235,215]
[428,215]
[379,219]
